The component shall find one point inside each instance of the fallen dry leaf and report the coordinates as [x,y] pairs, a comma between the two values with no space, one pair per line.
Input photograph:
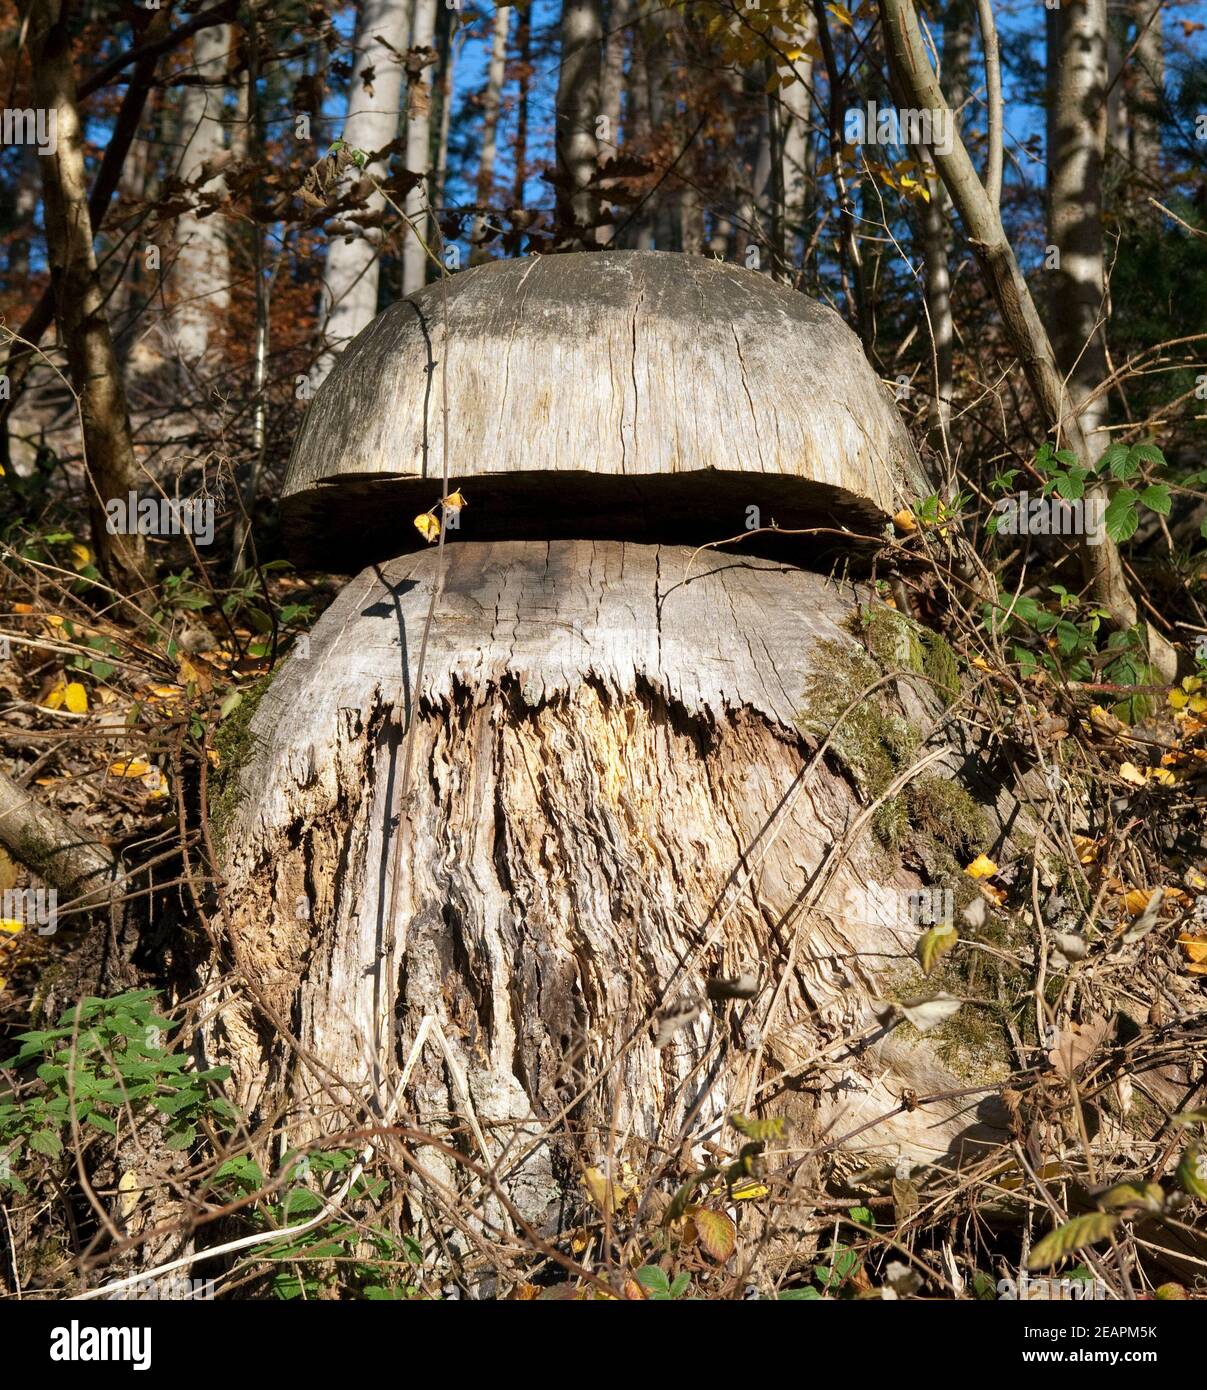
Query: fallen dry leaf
[1076,1043]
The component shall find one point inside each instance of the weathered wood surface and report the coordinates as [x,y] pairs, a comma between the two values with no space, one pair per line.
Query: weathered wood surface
[608,810]
[642,396]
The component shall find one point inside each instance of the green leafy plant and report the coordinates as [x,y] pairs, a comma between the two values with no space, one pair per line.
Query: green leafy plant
[359,1259]
[659,1287]
[104,1057]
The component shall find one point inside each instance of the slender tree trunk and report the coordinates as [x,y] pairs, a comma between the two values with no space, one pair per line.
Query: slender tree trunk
[352,271]
[936,230]
[639,232]
[934,236]
[492,101]
[79,303]
[523,82]
[448,65]
[419,150]
[612,99]
[201,270]
[578,106]
[754,209]
[1147,88]
[796,112]
[1077,73]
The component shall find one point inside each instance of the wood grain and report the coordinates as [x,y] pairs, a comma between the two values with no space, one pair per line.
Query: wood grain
[619,395]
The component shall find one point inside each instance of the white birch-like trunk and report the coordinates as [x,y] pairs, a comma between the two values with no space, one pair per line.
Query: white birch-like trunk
[419,152]
[796,102]
[201,269]
[350,277]
[492,101]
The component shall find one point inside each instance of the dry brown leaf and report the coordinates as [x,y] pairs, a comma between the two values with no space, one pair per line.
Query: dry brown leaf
[1076,1044]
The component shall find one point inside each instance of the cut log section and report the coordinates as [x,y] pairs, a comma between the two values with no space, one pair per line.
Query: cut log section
[613,805]
[620,395]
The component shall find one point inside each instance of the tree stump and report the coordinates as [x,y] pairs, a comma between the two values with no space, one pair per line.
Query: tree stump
[614,808]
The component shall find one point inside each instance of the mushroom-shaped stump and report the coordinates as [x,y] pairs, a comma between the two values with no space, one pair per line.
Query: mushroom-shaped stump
[628,882]
[626,395]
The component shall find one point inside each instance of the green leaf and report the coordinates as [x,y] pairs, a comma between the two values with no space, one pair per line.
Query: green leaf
[301,1202]
[46,1141]
[1122,516]
[654,1281]
[934,944]
[1073,1235]
[1147,453]
[1157,498]
[806,1295]
[1071,485]
[1114,457]
[761,1131]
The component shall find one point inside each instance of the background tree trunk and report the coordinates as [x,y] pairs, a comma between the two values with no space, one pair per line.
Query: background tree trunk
[419,150]
[492,100]
[578,106]
[797,117]
[1146,71]
[201,270]
[1077,76]
[353,266]
[616,46]
[79,305]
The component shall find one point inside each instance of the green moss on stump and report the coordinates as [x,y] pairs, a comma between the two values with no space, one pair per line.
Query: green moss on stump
[875,743]
[234,743]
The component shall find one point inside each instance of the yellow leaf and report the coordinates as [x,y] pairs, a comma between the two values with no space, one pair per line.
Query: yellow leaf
[428,527]
[1137,900]
[1192,683]
[748,1190]
[81,556]
[905,521]
[1087,849]
[841,14]
[10,926]
[55,697]
[193,674]
[127,1185]
[1163,776]
[1177,698]
[1132,774]
[75,697]
[981,867]
[454,501]
[1194,946]
[130,767]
